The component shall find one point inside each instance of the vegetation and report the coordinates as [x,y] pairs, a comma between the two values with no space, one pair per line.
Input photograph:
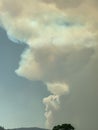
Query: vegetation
[2,128]
[58,127]
[63,127]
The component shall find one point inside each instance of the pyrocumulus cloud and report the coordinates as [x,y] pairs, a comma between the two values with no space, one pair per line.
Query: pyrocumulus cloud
[62,40]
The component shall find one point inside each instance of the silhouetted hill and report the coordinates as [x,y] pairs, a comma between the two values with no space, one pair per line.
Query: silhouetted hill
[28,128]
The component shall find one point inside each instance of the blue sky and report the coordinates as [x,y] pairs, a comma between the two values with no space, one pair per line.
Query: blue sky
[20,99]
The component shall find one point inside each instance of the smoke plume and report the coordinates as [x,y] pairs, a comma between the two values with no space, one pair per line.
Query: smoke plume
[62,40]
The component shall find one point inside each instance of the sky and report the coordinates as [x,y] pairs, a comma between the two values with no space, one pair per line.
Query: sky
[49,63]
[20,99]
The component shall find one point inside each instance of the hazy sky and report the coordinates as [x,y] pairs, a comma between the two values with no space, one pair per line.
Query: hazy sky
[49,63]
[20,99]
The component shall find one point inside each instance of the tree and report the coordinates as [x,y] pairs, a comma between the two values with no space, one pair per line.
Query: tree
[63,127]
[2,128]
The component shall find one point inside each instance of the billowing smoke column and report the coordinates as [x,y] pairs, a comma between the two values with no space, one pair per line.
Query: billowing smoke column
[62,51]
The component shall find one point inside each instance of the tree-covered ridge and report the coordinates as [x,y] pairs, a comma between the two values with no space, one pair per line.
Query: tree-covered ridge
[58,127]
[63,127]
[2,128]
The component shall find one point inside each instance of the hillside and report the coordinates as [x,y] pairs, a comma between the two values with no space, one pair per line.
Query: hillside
[28,128]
